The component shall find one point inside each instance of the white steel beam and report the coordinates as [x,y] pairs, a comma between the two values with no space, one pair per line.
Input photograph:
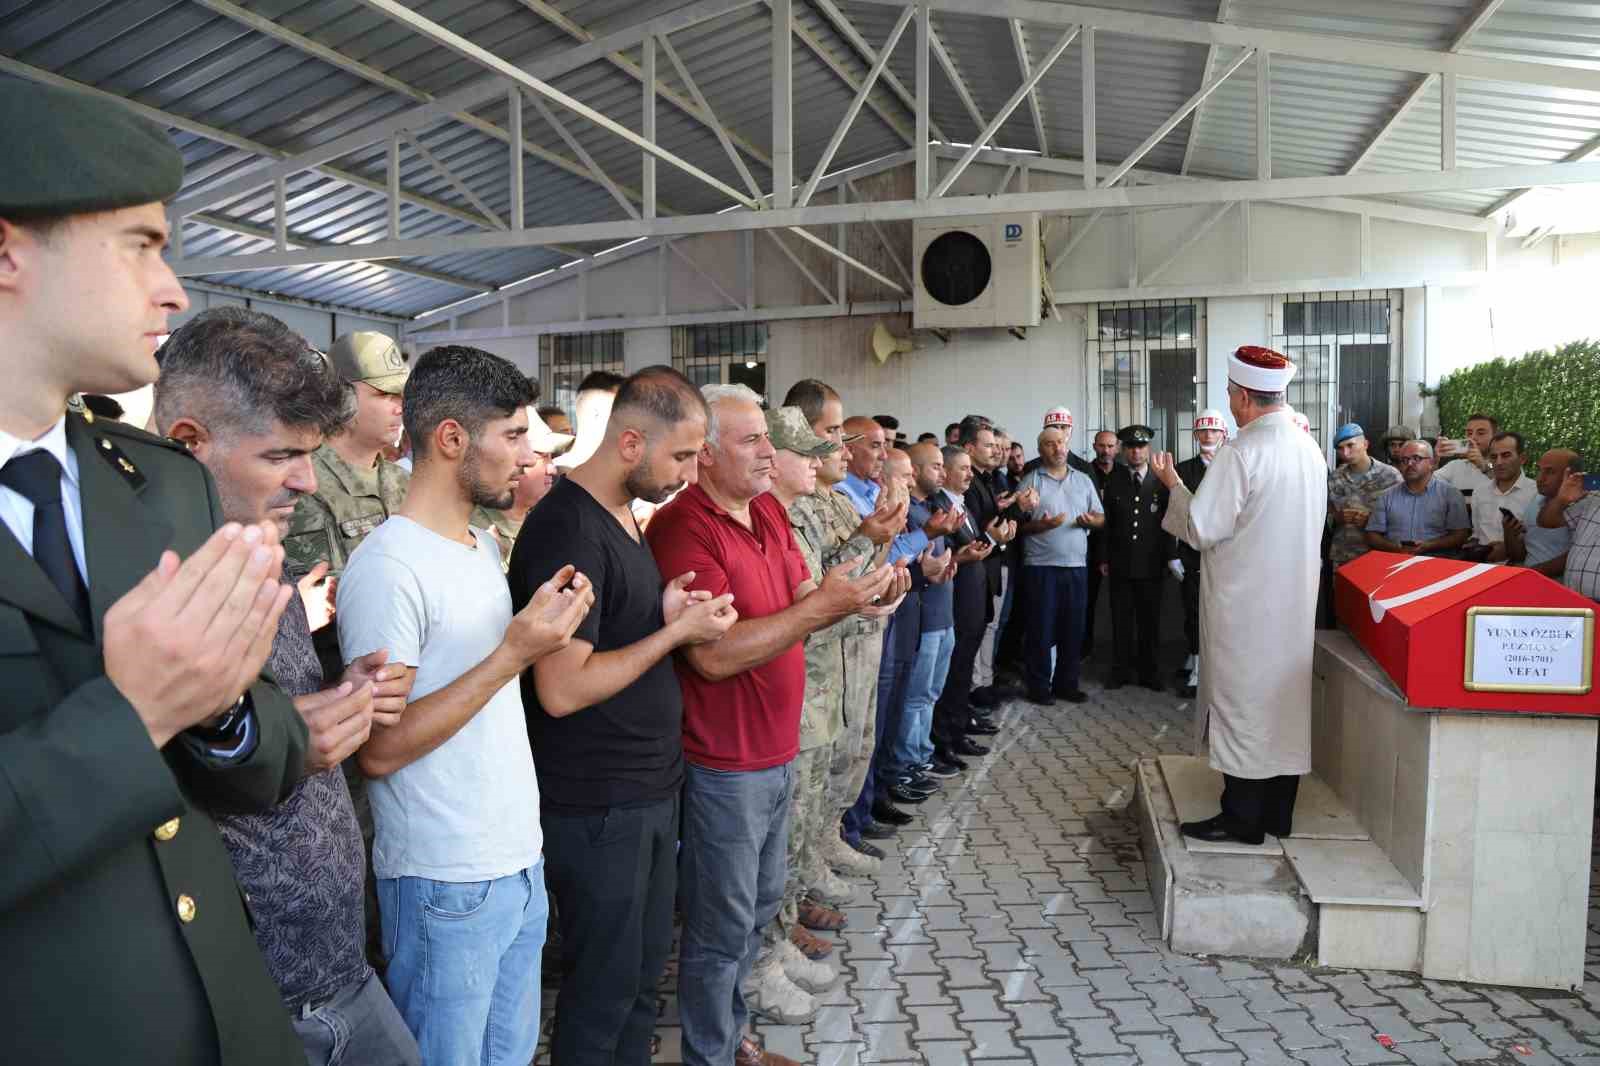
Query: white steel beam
[924,163]
[280,218]
[713,282]
[1005,180]
[1447,122]
[1205,75]
[1019,44]
[883,240]
[847,29]
[724,138]
[948,63]
[1005,111]
[843,257]
[1090,150]
[393,175]
[1078,233]
[782,103]
[805,271]
[483,57]
[687,318]
[1176,117]
[1263,115]
[1189,240]
[826,57]
[693,107]
[588,161]
[1577,155]
[1054,201]
[1354,51]
[843,128]
[1475,22]
[453,178]
[518,190]
[648,125]
[299,240]
[473,95]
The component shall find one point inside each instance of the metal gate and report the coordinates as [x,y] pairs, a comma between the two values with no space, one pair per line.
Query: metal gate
[1346,345]
[1149,368]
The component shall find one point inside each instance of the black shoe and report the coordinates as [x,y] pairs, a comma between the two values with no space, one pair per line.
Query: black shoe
[1115,683]
[1187,692]
[1073,695]
[1005,692]
[1220,828]
[942,769]
[889,814]
[1153,684]
[1040,699]
[949,758]
[1085,653]
[977,727]
[874,830]
[984,697]
[901,794]
[869,850]
[967,746]
[925,786]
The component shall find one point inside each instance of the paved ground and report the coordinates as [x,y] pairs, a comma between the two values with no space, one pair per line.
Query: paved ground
[1011,923]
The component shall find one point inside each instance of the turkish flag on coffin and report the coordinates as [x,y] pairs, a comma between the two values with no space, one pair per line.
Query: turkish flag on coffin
[1410,614]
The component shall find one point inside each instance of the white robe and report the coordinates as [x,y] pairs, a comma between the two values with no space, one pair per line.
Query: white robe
[1257,520]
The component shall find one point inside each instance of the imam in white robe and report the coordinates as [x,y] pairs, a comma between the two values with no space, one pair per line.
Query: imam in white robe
[1257,520]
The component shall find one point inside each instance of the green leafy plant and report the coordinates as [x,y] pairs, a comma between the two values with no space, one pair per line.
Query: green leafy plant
[1551,398]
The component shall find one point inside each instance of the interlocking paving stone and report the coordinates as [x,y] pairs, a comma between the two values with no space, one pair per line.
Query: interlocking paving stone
[1011,922]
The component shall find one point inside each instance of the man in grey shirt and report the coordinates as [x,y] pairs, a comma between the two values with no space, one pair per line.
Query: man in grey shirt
[1055,569]
[1422,515]
[252,402]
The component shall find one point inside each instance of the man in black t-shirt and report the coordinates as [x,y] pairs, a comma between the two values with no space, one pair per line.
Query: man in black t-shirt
[605,718]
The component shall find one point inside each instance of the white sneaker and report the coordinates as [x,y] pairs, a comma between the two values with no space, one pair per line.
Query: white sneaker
[847,860]
[807,975]
[770,993]
[834,890]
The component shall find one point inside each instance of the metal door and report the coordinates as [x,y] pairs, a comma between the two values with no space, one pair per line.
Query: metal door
[1172,399]
[1364,387]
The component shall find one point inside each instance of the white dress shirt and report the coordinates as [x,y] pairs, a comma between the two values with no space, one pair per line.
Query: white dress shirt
[16,510]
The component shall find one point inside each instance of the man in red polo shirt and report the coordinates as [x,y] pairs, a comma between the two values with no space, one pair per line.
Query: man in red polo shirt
[742,698]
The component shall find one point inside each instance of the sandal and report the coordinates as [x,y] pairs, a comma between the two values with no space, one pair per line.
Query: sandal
[811,946]
[814,915]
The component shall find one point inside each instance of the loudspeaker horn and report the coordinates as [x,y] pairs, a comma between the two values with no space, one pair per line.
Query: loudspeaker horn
[885,344]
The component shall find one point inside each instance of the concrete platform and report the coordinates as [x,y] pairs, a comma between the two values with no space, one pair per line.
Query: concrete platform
[1211,903]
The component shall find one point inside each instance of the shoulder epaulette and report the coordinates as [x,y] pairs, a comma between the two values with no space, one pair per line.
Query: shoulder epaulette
[110,437]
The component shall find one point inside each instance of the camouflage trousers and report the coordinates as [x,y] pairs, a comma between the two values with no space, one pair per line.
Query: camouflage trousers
[811,817]
[852,751]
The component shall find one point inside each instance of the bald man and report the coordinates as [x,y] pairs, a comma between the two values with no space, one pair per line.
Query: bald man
[1526,542]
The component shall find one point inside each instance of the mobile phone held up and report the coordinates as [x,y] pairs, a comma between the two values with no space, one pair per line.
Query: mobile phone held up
[1591,483]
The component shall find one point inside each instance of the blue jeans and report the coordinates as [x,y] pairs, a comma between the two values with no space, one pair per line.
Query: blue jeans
[464,964]
[914,745]
[359,1026]
[1057,597]
[732,869]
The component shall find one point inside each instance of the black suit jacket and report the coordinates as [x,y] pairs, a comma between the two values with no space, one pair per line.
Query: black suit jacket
[1135,545]
[100,966]
[1190,471]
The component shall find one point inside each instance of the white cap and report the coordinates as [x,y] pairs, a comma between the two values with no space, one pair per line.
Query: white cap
[543,439]
[1058,416]
[1260,369]
[1210,418]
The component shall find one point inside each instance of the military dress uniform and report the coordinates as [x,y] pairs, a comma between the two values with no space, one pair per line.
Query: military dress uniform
[126,938]
[123,933]
[1137,551]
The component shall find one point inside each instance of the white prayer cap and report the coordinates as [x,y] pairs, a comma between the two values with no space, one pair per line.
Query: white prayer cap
[1260,369]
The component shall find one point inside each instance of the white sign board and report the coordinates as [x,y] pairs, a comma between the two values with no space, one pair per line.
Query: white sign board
[1529,650]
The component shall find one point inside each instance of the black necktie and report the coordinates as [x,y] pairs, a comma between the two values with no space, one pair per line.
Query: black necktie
[37,476]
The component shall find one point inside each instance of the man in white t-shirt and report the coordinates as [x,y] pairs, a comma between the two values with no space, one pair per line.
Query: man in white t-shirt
[1509,491]
[458,852]
[1467,469]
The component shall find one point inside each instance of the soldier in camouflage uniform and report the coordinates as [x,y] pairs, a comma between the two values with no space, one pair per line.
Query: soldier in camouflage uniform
[356,490]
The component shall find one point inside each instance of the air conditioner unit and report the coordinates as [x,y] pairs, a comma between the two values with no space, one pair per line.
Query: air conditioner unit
[977,271]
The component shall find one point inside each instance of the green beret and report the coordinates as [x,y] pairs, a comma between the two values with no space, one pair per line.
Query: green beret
[72,153]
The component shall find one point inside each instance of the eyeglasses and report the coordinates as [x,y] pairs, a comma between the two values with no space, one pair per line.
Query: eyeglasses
[1407,460]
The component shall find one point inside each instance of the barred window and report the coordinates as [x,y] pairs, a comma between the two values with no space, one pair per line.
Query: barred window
[565,359]
[724,353]
[1345,345]
[1150,370]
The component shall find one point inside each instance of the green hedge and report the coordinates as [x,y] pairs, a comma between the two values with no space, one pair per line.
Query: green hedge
[1551,398]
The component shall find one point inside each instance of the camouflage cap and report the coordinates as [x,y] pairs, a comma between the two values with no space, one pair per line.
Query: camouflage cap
[791,432]
[371,357]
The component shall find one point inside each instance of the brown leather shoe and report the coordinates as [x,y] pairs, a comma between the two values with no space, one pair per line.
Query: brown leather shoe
[810,944]
[814,915]
[750,1053]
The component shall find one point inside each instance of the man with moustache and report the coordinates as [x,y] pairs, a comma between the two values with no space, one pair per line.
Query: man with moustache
[1099,471]
[952,713]
[742,697]
[605,715]
[914,745]
[131,698]
[1527,543]
[252,402]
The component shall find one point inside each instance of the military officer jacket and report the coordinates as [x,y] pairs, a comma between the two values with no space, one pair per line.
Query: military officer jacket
[1190,471]
[1135,545]
[348,504]
[123,932]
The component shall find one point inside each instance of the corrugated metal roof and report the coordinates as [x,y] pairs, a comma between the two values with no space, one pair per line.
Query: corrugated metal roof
[195,60]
